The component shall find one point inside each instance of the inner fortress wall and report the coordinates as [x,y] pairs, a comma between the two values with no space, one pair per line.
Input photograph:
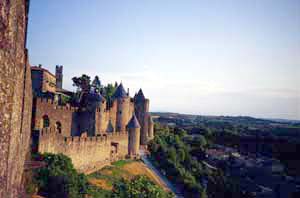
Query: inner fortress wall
[56,114]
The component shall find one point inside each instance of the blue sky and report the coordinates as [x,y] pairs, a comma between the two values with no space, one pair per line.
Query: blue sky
[209,57]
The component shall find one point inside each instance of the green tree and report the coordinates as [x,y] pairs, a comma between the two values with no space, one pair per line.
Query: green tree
[172,154]
[109,90]
[139,187]
[59,178]
[96,84]
[181,155]
[201,141]
[83,83]
[203,194]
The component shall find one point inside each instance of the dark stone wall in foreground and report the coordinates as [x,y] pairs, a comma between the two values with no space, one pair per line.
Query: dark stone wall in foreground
[15,96]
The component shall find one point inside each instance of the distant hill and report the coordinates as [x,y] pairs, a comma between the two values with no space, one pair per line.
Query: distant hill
[240,119]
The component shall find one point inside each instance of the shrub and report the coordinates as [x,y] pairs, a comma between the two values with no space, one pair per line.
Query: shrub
[59,178]
[139,187]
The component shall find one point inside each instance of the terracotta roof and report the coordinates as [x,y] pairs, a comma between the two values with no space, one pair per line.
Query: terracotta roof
[120,92]
[133,123]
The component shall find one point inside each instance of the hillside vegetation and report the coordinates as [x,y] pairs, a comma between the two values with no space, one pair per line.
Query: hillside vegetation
[172,155]
[123,179]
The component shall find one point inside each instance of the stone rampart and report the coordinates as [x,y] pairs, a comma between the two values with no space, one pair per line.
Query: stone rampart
[87,153]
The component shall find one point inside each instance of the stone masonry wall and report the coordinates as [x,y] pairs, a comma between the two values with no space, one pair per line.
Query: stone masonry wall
[141,110]
[15,96]
[87,153]
[55,113]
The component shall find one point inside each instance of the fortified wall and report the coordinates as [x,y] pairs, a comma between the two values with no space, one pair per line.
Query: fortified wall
[107,119]
[87,153]
[15,95]
[57,116]
[90,130]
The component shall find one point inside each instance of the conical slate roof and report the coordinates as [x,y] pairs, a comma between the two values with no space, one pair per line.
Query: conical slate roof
[140,95]
[133,123]
[120,92]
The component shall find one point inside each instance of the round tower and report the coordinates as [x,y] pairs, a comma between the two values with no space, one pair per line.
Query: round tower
[134,137]
[123,108]
[101,117]
[141,107]
[150,127]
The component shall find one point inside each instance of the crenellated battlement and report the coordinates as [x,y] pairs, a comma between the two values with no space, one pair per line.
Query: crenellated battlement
[94,139]
[64,123]
[117,134]
[47,131]
[52,135]
[86,152]
[50,102]
[98,109]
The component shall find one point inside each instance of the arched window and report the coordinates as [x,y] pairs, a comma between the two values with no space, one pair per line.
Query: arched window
[58,127]
[46,121]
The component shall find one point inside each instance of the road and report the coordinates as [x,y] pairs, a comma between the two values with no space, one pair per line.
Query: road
[159,175]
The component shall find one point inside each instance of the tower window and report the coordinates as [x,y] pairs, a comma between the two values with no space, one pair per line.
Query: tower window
[58,127]
[45,121]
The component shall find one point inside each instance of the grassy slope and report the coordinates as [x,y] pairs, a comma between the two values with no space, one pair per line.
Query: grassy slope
[124,169]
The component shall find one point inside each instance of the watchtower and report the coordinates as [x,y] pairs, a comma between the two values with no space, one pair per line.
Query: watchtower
[141,107]
[134,137]
[59,76]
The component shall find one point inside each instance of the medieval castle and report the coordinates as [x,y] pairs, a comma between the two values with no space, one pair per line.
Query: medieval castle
[92,131]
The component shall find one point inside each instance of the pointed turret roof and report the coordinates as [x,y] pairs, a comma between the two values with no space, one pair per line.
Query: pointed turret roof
[140,95]
[120,92]
[133,123]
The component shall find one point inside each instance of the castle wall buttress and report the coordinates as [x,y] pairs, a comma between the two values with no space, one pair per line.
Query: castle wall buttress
[15,96]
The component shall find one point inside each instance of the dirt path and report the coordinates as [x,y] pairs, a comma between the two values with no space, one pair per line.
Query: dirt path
[161,177]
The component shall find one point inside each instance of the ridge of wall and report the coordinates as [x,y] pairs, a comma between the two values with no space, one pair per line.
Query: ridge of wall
[50,102]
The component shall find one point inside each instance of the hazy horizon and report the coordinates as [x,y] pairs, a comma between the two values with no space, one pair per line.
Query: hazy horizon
[197,57]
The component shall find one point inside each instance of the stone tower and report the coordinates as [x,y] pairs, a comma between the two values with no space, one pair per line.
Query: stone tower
[15,96]
[150,127]
[123,108]
[134,137]
[59,76]
[100,117]
[141,105]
